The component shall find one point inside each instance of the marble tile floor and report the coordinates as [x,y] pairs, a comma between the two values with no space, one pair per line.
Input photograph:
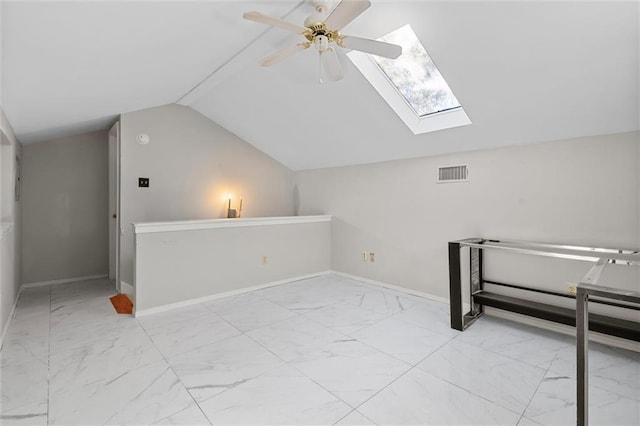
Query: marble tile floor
[326,350]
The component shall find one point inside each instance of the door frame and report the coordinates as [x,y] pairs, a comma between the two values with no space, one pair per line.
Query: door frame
[114,203]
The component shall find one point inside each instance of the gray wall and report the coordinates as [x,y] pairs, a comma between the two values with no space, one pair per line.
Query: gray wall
[192,164]
[176,266]
[65,200]
[582,191]
[10,235]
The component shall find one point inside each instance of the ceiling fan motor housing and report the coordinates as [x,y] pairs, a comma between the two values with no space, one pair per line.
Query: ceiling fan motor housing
[323,28]
[319,29]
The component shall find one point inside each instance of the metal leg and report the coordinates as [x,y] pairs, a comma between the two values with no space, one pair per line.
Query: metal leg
[582,341]
[455,287]
[475,275]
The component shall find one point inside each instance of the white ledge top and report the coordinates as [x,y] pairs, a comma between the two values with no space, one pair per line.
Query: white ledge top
[190,225]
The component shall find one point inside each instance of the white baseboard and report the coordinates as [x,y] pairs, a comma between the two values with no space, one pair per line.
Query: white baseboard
[64,281]
[10,317]
[563,329]
[393,287]
[523,319]
[168,307]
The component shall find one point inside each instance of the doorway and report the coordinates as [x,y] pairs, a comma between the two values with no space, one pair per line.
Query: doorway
[114,204]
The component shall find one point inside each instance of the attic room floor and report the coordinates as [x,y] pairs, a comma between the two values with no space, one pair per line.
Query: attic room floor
[326,350]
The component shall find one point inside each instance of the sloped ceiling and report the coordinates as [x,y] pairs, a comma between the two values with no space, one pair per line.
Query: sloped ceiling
[523,71]
[73,66]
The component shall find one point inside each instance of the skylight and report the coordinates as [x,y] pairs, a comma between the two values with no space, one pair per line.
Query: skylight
[412,84]
[415,75]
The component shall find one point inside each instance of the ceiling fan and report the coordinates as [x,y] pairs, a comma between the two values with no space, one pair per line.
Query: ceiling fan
[322,33]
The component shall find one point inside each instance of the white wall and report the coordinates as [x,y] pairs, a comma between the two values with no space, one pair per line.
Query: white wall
[580,191]
[10,223]
[176,266]
[65,215]
[192,163]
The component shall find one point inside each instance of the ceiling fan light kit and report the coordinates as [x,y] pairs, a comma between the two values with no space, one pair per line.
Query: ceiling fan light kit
[322,33]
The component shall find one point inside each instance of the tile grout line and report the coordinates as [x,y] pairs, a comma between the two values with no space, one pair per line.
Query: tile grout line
[288,363]
[343,417]
[509,356]
[139,325]
[398,378]
[350,338]
[291,365]
[393,316]
[355,410]
[591,385]
[242,333]
[468,390]
[175,374]
[537,388]
[207,313]
[325,389]
[319,347]
[388,384]
[438,378]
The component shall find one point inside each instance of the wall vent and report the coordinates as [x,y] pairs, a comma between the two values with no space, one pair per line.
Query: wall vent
[453,174]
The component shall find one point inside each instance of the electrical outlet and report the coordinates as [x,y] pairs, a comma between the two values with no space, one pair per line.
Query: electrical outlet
[571,289]
[364,256]
[265,259]
[372,257]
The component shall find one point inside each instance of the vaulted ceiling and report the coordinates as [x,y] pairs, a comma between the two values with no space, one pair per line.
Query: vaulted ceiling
[524,71]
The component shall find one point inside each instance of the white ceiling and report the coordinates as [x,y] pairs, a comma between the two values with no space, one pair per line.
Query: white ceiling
[73,66]
[523,71]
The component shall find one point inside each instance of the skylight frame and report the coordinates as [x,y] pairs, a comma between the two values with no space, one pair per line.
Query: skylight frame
[429,122]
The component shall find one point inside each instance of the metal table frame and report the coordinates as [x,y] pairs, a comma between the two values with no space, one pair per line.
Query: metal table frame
[461,320]
[587,288]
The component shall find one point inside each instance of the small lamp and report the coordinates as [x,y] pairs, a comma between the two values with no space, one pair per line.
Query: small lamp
[233,213]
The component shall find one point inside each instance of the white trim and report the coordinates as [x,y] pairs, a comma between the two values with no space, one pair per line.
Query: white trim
[10,317]
[190,225]
[64,281]
[392,287]
[195,301]
[562,328]
[116,228]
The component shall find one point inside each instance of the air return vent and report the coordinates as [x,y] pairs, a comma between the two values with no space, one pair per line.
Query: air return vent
[453,174]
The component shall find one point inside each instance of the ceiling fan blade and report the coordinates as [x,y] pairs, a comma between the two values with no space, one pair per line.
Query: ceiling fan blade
[345,12]
[331,65]
[374,47]
[276,22]
[283,54]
